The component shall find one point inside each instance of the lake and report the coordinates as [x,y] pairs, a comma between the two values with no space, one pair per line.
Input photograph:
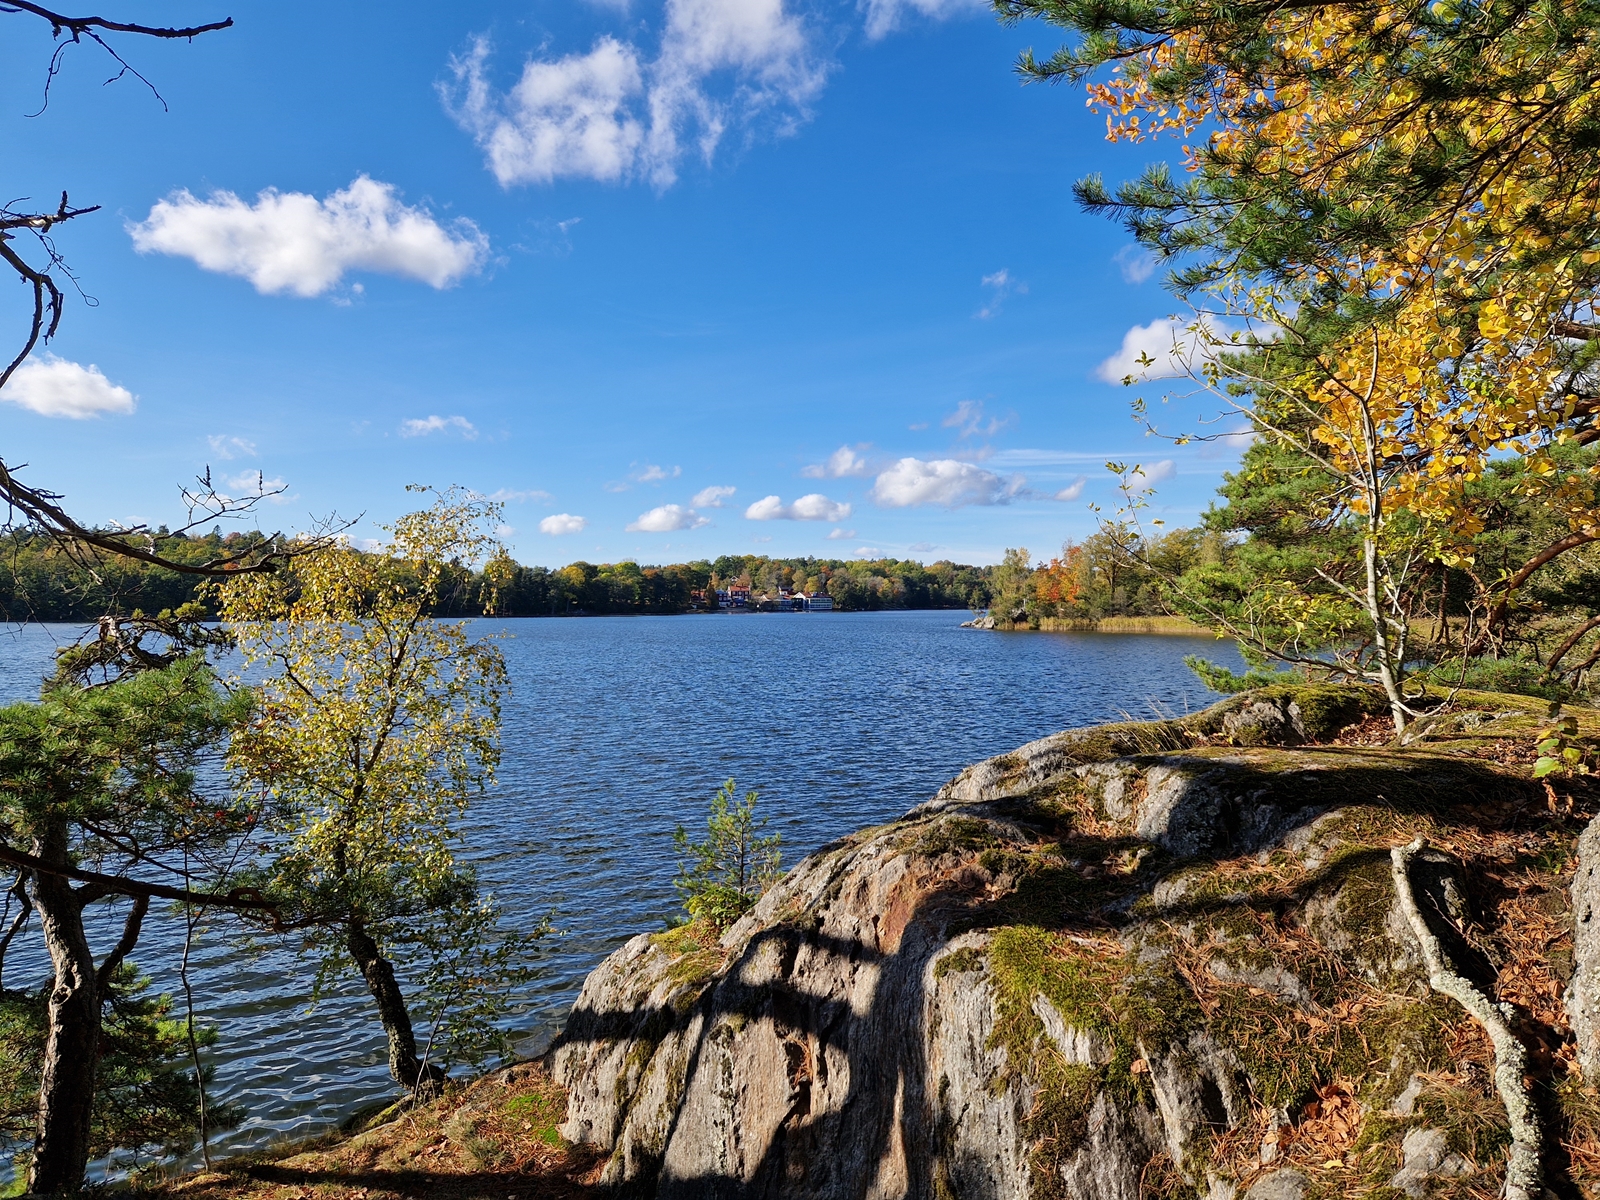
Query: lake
[617,730]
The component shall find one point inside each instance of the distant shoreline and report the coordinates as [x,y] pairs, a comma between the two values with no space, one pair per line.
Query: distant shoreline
[1178,626]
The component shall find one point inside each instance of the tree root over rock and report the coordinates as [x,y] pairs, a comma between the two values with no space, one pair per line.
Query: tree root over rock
[1524,1175]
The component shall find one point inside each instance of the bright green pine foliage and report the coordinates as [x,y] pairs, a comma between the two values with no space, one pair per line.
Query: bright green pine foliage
[104,777]
[146,1103]
[724,875]
[119,759]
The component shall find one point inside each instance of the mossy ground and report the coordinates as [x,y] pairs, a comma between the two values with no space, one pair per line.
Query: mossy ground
[493,1139]
[1098,989]
[1326,1037]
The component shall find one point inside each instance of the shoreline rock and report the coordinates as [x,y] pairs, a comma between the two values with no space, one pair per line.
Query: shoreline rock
[1134,959]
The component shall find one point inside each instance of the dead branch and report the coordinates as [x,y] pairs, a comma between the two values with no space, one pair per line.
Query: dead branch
[76,29]
[47,295]
[1524,1171]
[39,509]
[80,26]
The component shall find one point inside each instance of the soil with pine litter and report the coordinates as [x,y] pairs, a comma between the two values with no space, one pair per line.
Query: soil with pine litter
[494,1138]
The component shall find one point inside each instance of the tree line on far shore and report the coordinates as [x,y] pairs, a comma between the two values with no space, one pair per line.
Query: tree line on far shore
[39,581]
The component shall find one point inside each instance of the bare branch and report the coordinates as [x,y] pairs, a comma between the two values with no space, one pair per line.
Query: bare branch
[77,26]
[47,296]
[247,899]
[76,29]
[40,509]
[126,943]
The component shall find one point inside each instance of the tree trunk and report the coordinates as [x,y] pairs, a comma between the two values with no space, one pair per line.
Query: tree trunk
[1390,657]
[72,1046]
[379,974]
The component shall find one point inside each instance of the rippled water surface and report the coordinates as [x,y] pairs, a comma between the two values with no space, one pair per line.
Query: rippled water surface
[618,729]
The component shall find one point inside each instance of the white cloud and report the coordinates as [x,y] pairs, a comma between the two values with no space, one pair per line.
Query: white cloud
[815,507]
[922,547]
[912,482]
[841,535]
[1135,262]
[969,416]
[884,16]
[226,447]
[422,426]
[712,497]
[668,518]
[654,474]
[1159,350]
[1171,347]
[292,242]
[563,523]
[55,387]
[254,484]
[1073,490]
[564,119]
[764,47]
[509,496]
[867,552]
[1001,285]
[842,463]
[610,115]
[1154,473]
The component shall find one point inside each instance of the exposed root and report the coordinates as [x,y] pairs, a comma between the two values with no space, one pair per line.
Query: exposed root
[1524,1175]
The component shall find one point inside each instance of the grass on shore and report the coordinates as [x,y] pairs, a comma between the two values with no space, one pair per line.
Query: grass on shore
[1172,625]
[492,1139]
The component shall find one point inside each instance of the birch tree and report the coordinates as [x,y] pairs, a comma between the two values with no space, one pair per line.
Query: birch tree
[377,725]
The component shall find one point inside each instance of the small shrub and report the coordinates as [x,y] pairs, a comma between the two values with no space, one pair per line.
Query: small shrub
[724,875]
[1560,753]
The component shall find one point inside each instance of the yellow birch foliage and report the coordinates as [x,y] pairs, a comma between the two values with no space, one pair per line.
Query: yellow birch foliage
[1484,295]
[377,723]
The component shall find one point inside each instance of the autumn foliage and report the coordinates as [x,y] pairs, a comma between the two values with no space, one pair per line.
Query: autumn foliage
[1397,205]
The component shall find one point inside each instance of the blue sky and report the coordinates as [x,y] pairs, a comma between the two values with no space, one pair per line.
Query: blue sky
[674,279]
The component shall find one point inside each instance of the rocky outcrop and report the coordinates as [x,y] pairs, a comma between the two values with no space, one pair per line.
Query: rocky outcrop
[1116,962]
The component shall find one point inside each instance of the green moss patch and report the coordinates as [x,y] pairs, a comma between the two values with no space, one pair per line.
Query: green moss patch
[539,1114]
[695,953]
[1326,708]
[969,958]
[954,835]
[1122,1003]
